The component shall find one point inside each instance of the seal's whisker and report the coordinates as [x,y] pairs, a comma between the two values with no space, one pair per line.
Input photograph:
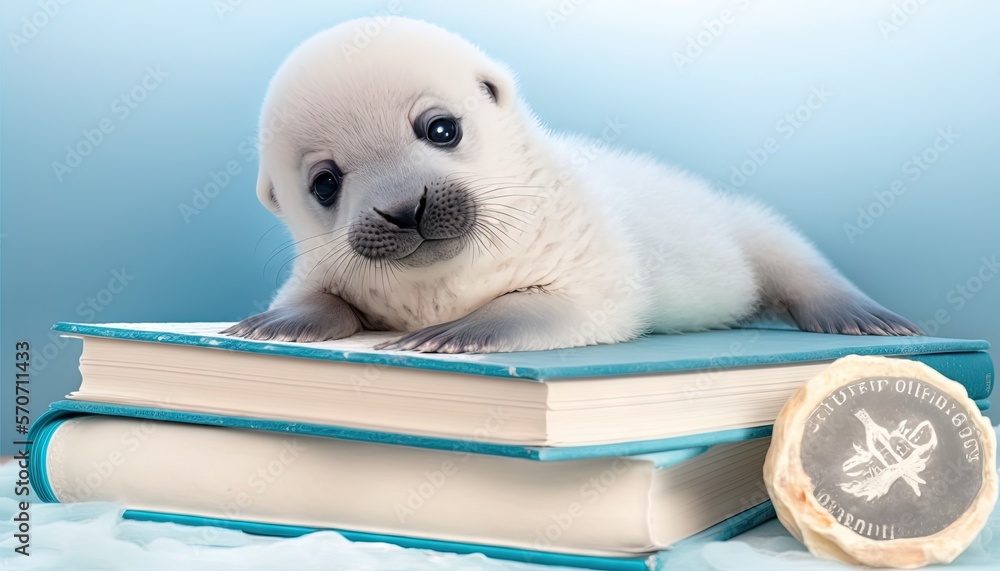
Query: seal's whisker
[481,189]
[502,232]
[491,236]
[479,230]
[336,254]
[344,269]
[481,239]
[354,267]
[486,182]
[391,267]
[385,268]
[532,202]
[509,207]
[496,223]
[498,198]
[502,218]
[342,257]
[508,185]
[474,188]
[484,198]
[489,192]
[333,235]
[300,255]
[292,243]
[482,243]
[361,267]
[262,236]
[472,175]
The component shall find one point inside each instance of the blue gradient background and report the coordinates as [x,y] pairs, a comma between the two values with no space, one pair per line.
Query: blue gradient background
[62,241]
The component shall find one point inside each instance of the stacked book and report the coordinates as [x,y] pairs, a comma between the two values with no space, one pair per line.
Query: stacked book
[602,457]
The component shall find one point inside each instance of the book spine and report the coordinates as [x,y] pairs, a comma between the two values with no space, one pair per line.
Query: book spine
[973,369]
[39,436]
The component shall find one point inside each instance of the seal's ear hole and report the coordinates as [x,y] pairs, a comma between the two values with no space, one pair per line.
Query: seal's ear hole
[491,90]
[265,192]
[497,84]
[273,202]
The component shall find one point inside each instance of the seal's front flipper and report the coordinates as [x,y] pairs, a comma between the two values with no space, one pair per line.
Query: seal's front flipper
[517,321]
[313,317]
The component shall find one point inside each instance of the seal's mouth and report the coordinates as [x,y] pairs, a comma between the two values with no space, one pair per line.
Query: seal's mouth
[430,251]
[439,234]
[417,233]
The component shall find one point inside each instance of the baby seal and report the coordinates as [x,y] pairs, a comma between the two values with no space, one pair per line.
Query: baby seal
[425,197]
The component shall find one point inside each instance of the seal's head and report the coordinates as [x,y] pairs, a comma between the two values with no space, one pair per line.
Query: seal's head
[391,140]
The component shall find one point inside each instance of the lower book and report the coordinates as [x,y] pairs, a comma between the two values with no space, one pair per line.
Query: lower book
[616,512]
[722,531]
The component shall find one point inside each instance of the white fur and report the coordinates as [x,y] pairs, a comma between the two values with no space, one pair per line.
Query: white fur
[620,244]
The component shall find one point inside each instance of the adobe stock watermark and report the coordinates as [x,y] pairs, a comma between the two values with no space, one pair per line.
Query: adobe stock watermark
[757,496]
[365,33]
[433,481]
[225,7]
[218,180]
[626,288]
[263,477]
[590,493]
[203,195]
[258,481]
[962,294]
[712,29]
[913,168]
[562,12]
[581,158]
[369,374]
[308,255]
[103,469]
[87,311]
[32,25]
[121,108]
[899,16]
[785,128]
[723,361]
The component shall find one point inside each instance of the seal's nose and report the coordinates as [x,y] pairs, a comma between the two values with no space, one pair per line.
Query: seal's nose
[406,217]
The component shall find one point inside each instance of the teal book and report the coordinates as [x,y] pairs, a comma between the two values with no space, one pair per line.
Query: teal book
[657,393]
[622,512]
[615,513]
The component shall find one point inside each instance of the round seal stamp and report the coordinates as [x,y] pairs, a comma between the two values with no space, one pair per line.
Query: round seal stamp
[882,462]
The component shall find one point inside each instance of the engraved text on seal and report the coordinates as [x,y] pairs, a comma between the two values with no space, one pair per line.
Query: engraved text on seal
[892,457]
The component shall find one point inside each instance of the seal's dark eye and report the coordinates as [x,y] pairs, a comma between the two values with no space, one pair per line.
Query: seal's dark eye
[442,131]
[326,184]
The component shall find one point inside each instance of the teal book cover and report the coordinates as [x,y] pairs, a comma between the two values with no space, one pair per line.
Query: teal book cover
[963,360]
